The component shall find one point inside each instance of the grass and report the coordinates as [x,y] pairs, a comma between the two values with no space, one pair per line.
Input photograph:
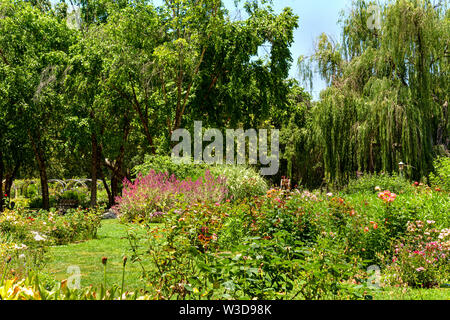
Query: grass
[412,294]
[112,243]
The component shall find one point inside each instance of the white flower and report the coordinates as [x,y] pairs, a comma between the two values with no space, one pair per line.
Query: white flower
[329,194]
[38,236]
[22,246]
[22,256]
[377,188]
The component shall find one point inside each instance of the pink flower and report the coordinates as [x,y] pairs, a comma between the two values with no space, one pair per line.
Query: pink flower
[387,196]
[420,269]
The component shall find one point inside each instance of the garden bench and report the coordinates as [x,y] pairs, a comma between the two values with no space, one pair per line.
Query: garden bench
[65,204]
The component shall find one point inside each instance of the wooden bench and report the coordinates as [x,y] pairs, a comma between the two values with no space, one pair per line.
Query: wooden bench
[65,204]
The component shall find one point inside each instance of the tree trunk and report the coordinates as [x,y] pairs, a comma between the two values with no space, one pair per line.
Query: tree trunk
[42,172]
[114,190]
[105,184]
[94,169]
[10,180]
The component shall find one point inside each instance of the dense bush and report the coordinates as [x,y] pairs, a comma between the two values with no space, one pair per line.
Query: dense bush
[81,197]
[441,178]
[36,202]
[268,247]
[241,181]
[373,183]
[164,164]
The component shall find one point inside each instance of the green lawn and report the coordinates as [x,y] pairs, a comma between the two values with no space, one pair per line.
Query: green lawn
[111,243]
[413,294]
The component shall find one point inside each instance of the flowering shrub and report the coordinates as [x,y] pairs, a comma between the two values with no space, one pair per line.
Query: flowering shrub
[251,249]
[422,259]
[295,244]
[387,196]
[37,227]
[242,182]
[154,195]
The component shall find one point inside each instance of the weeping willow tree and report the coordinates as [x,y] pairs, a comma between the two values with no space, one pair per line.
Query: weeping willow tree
[387,99]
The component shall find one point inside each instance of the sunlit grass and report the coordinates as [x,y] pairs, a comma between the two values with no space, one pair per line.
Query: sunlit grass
[412,294]
[112,243]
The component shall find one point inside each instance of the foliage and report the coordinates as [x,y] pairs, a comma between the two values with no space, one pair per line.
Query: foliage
[155,194]
[33,228]
[442,177]
[33,288]
[253,249]
[241,181]
[388,95]
[371,183]
[422,258]
[165,164]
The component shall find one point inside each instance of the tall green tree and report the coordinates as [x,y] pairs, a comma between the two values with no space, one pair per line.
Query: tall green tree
[34,45]
[388,95]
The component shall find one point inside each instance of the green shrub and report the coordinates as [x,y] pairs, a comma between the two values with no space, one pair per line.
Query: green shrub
[165,164]
[81,197]
[36,202]
[441,178]
[241,181]
[372,183]
[31,191]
